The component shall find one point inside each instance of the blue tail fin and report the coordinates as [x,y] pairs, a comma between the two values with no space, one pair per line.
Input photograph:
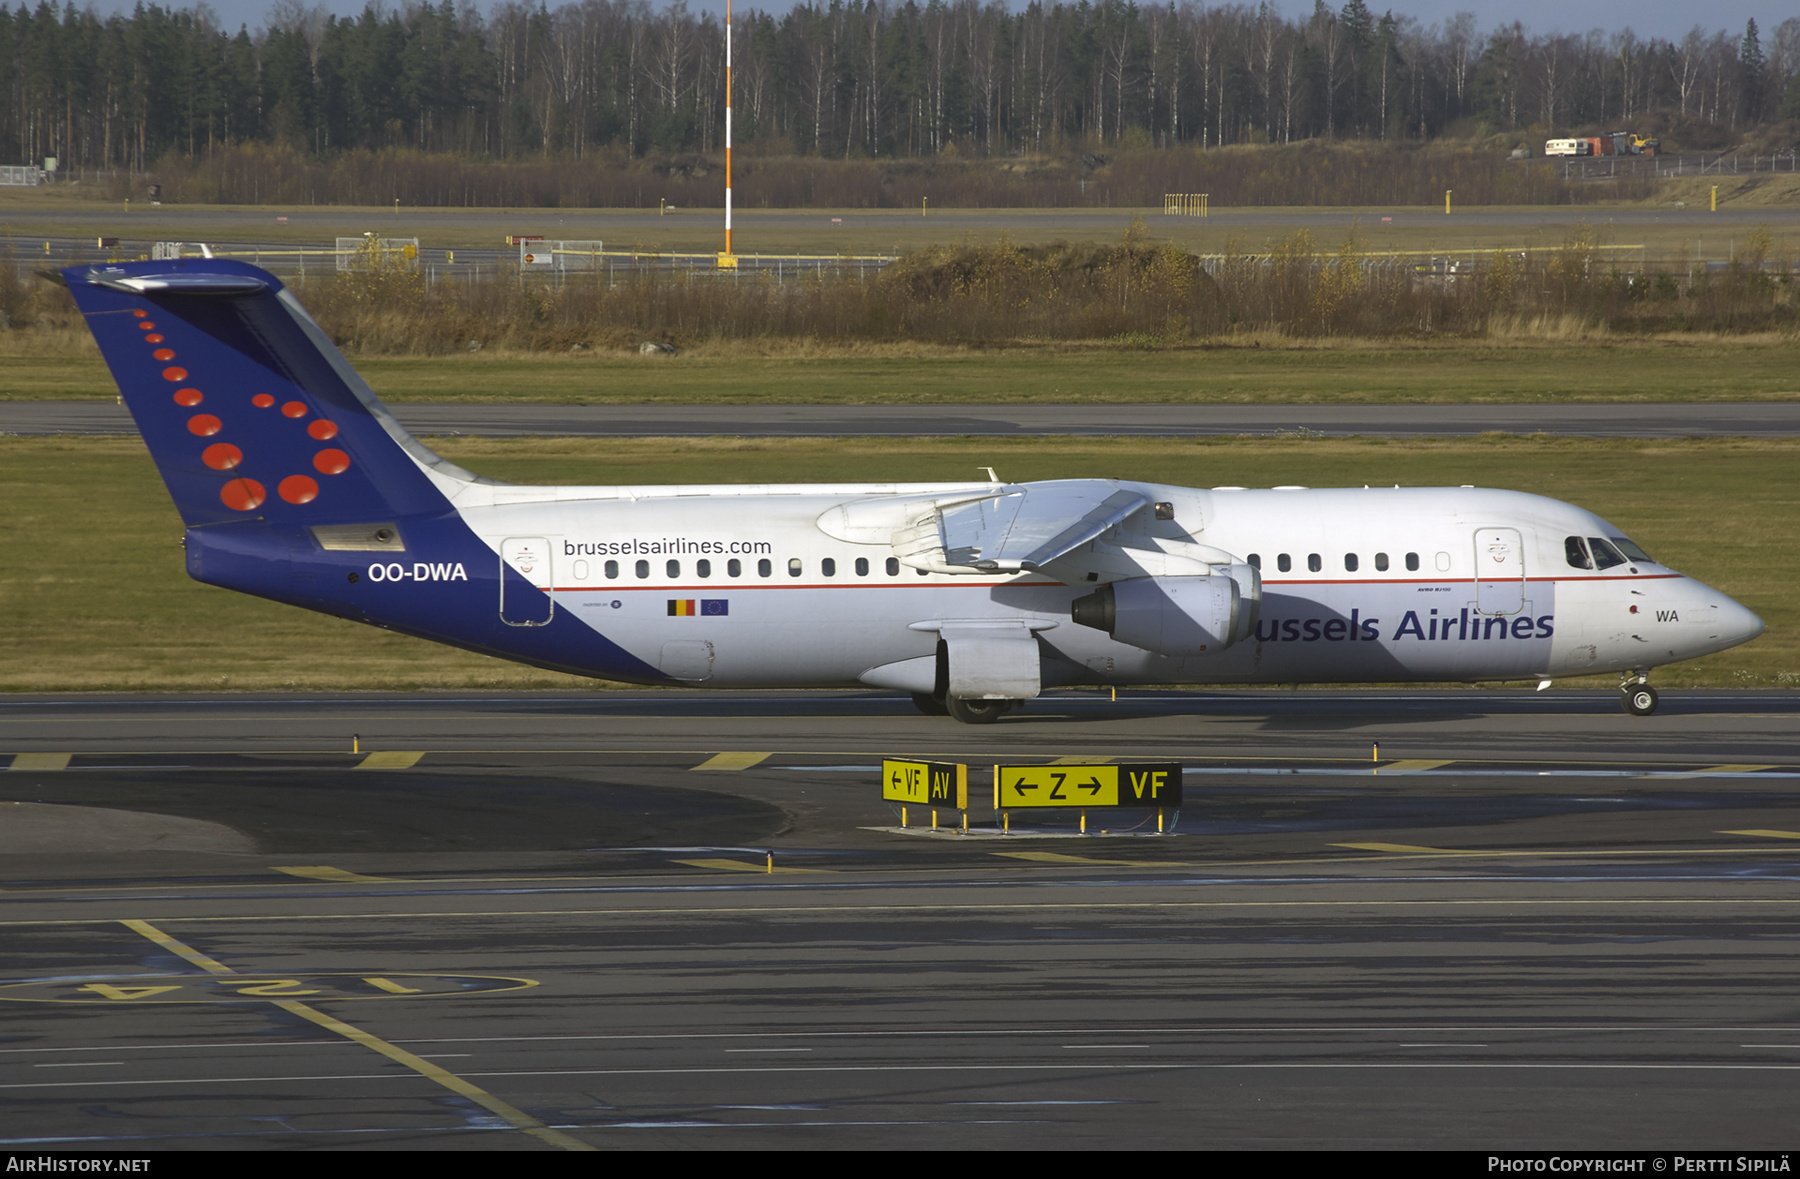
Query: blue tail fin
[248,409]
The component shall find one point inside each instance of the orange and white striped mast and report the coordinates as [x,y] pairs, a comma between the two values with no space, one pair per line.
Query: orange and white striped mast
[728,260]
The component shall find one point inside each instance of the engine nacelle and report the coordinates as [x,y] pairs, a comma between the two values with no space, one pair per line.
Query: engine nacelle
[1175,615]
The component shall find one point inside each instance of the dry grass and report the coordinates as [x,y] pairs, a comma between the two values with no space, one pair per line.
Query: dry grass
[1762,190]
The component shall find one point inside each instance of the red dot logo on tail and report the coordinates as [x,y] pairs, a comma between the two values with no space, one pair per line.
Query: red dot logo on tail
[243,495]
[331,462]
[189,397]
[299,489]
[205,425]
[221,456]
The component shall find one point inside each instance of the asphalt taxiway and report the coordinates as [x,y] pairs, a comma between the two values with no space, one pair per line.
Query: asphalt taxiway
[1623,420]
[672,919]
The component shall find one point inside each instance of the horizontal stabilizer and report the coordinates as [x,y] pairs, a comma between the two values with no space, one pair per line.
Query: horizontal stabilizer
[177,284]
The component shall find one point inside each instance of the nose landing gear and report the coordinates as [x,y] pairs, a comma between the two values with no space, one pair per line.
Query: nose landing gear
[1637,697]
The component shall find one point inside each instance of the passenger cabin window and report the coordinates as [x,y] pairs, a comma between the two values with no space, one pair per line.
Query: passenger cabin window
[1605,556]
[1284,562]
[612,570]
[828,567]
[1576,554]
[893,566]
[764,567]
[734,567]
[643,568]
[862,566]
[1314,563]
[794,566]
[1350,562]
[1443,562]
[1255,560]
[674,568]
[703,568]
[1412,562]
[1381,562]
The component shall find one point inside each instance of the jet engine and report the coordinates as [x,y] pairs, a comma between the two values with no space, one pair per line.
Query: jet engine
[1176,615]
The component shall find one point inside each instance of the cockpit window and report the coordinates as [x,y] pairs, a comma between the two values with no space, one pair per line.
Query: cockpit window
[1630,550]
[1605,556]
[1575,550]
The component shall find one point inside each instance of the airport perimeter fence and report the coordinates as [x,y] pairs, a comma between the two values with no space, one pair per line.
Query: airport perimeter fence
[563,261]
[1666,167]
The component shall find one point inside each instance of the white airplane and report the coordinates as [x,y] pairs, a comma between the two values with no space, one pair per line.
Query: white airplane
[297,484]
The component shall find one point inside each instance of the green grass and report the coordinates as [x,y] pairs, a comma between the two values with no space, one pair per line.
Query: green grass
[95,595]
[1760,369]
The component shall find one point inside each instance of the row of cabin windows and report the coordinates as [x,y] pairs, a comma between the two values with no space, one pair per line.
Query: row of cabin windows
[1284,562]
[703,568]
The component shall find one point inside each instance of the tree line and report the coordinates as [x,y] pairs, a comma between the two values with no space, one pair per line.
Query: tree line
[846,80]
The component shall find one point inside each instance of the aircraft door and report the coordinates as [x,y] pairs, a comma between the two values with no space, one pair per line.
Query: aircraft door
[1499,571]
[529,557]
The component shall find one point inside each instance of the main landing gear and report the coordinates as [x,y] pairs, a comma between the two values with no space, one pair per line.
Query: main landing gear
[969,712]
[930,705]
[1637,697]
[976,712]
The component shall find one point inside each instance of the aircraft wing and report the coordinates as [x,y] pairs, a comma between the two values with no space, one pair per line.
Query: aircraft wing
[1021,528]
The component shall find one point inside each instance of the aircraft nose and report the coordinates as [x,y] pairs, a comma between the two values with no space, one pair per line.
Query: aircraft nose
[1734,623]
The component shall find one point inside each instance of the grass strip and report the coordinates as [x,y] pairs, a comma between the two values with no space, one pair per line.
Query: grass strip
[1257,371]
[96,597]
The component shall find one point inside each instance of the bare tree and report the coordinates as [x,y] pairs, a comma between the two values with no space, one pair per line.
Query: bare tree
[1459,38]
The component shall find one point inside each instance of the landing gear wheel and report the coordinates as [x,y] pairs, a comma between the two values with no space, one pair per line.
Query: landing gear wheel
[976,712]
[1639,700]
[930,705]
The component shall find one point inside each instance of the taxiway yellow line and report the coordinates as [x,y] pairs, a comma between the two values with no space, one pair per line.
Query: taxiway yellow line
[516,1118]
[1766,834]
[719,865]
[329,874]
[732,761]
[392,759]
[41,761]
[1044,857]
[723,911]
[1404,849]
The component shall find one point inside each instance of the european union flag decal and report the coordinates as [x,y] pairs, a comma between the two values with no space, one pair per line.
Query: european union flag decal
[715,607]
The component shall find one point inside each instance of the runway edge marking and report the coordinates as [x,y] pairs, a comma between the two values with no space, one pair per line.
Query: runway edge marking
[517,1118]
